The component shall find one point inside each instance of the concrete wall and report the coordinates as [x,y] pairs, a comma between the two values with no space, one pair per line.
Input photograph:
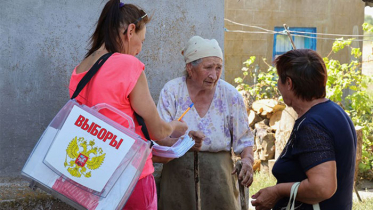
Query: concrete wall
[328,16]
[43,40]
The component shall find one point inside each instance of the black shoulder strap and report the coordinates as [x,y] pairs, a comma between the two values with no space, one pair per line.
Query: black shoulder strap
[144,129]
[90,74]
[143,126]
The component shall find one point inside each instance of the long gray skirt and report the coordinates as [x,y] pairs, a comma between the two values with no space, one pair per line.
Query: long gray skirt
[217,186]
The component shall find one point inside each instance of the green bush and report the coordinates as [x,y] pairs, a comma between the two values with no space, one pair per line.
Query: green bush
[265,83]
[346,86]
[347,77]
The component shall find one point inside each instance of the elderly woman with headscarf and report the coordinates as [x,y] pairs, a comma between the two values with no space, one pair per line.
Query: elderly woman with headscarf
[219,118]
[321,150]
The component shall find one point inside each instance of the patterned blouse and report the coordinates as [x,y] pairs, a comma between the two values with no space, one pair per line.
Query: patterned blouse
[225,124]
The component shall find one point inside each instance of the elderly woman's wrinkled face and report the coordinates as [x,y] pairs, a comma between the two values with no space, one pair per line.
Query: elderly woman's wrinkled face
[206,74]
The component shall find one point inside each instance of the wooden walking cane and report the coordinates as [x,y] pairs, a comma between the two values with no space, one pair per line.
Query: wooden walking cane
[240,186]
[196,181]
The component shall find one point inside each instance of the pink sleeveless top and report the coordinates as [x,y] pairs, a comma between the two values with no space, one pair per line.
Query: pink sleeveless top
[112,84]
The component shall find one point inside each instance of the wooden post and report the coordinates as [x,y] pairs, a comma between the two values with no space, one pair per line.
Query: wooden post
[240,186]
[288,33]
[196,181]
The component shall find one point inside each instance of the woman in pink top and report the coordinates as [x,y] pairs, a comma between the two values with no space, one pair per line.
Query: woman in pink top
[121,82]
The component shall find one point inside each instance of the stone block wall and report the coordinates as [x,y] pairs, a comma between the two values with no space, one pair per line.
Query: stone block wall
[43,40]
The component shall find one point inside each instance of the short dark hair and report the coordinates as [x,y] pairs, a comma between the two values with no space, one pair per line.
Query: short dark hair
[307,71]
[113,16]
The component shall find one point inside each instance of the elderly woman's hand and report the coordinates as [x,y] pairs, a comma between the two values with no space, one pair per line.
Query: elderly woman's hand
[246,173]
[198,137]
[266,198]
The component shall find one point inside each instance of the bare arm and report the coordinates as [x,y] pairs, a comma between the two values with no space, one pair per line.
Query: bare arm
[157,159]
[321,184]
[168,141]
[143,104]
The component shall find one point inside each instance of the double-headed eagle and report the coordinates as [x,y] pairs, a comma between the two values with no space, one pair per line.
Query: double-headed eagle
[79,160]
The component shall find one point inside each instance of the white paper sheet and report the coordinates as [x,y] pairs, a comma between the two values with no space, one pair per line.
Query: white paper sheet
[177,150]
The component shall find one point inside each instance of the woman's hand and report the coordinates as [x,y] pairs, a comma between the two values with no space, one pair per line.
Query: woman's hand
[265,199]
[198,137]
[179,128]
[246,173]
[167,141]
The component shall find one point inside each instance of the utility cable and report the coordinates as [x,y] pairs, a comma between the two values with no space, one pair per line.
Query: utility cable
[300,32]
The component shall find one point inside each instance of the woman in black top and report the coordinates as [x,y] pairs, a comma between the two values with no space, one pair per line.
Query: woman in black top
[320,152]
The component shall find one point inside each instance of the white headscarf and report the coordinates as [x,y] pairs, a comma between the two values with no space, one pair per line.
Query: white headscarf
[198,47]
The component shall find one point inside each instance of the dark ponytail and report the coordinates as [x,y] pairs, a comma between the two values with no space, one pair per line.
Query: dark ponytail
[113,18]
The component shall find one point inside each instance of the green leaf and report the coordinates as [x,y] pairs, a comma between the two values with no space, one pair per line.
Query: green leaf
[238,80]
[249,61]
[367,27]
[356,52]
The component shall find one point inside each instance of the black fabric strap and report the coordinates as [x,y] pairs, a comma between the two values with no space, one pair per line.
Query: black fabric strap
[144,129]
[143,126]
[90,74]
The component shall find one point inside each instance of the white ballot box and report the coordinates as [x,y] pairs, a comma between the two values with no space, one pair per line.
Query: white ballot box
[86,159]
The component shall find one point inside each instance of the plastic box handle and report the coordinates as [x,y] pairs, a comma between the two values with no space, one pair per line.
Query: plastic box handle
[100,106]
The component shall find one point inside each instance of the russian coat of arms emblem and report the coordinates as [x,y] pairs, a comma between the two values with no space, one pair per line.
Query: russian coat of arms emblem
[81,155]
